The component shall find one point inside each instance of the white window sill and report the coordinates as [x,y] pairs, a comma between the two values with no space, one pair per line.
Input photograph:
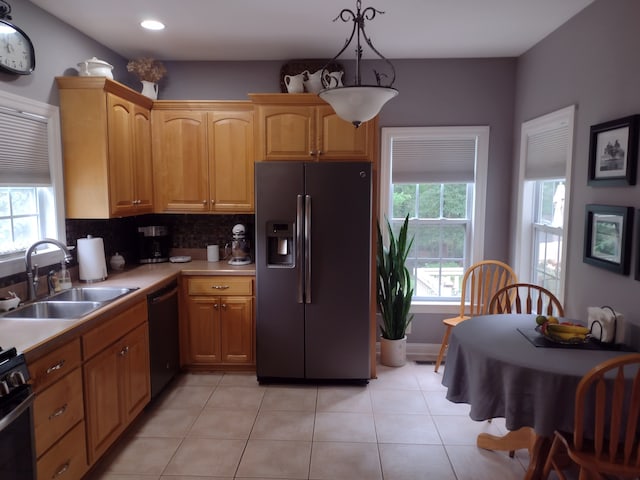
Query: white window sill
[435,307]
[16,263]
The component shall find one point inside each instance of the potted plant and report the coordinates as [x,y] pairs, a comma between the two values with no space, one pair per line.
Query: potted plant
[394,294]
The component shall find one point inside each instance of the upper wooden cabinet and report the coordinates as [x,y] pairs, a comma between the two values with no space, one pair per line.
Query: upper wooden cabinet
[203,154]
[106,141]
[304,127]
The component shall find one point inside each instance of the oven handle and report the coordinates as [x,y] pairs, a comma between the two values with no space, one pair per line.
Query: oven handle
[16,412]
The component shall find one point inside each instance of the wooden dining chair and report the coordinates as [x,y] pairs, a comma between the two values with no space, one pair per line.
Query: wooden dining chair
[479,284]
[525,298]
[614,446]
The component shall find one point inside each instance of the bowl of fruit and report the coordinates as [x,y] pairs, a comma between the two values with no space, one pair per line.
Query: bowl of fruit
[568,333]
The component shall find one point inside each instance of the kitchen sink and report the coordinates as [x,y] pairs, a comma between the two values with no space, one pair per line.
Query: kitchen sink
[72,304]
[91,294]
[54,309]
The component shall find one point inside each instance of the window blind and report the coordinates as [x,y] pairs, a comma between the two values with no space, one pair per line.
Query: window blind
[547,154]
[24,151]
[437,160]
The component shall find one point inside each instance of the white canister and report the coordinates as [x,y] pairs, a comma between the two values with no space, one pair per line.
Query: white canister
[117,262]
[91,259]
[95,67]
[213,253]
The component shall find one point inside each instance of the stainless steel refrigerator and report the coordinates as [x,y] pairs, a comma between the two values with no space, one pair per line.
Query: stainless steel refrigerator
[313,269]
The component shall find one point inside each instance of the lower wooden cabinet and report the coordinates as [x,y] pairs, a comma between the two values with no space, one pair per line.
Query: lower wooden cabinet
[57,410]
[116,380]
[58,413]
[67,459]
[218,328]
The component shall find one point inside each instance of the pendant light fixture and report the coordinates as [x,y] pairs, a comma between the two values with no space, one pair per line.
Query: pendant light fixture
[358,103]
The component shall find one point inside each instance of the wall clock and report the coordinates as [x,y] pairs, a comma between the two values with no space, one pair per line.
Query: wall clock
[16,49]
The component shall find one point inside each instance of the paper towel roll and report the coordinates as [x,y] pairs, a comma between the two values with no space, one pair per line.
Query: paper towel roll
[91,259]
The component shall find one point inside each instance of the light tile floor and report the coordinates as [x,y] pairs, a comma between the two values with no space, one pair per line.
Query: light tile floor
[227,426]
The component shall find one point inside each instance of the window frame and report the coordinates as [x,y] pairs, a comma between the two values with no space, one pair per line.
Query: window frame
[13,264]
[481,135]
[524,240]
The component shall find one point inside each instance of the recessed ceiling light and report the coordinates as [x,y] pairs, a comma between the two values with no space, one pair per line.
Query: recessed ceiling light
[152,25]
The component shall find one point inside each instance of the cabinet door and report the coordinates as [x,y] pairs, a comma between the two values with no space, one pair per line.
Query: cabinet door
[103,407]
[136,387]
[119,119]
[180,162]
[231,147]
[203,330]
[142,167]
[236,329]
[286,132]
[340,140]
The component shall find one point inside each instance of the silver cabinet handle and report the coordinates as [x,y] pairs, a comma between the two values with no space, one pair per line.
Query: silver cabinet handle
[124,351]
[63,468]
[220,287]
[55,367]
[58,412]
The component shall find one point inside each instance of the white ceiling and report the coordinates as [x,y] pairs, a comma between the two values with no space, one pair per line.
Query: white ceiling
[303,29]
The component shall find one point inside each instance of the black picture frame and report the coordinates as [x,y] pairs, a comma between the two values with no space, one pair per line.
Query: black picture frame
[608,232]
[613,152]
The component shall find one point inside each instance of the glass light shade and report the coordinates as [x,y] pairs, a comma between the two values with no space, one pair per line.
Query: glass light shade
[357,104]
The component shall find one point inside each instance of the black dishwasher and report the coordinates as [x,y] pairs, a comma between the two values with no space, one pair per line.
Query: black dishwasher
[164,357]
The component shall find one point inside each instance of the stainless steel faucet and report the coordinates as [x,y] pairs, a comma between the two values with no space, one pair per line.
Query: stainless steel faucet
[32,270]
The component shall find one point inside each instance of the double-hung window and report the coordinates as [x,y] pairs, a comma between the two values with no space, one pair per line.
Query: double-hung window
[546,145]
[436,175]
[31,205]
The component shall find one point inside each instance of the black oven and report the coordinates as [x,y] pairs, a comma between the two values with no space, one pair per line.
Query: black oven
[17,445]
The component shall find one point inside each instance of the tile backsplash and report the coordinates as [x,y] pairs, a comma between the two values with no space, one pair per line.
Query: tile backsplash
[121,234]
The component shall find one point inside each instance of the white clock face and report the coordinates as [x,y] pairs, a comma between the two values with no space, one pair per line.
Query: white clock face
[16,50]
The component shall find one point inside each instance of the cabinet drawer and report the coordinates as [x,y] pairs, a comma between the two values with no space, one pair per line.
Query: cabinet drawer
[221,286]
[57,409]
[53,366]
[112,329]
[67,459]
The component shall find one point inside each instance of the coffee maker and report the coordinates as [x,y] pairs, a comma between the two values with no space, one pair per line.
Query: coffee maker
[153,244]
[240,250]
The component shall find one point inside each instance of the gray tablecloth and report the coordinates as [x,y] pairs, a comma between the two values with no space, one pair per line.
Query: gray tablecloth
[494,368]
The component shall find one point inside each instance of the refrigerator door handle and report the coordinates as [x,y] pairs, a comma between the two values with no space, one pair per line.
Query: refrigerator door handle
[298,247]
[307,248]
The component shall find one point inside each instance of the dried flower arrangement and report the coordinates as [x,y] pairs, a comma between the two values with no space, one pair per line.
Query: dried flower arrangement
[147,69]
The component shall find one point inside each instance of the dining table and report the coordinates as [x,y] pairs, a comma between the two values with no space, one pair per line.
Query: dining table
[504,368]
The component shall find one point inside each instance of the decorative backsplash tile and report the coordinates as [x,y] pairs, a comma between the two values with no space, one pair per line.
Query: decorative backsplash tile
[121,234]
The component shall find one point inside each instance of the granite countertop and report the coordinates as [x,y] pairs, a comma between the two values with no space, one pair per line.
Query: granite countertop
[36,337]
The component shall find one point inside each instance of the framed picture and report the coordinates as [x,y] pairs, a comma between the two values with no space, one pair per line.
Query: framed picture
[607,237]
[613,152]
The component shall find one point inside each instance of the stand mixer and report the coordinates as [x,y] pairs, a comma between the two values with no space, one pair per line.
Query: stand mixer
[239,246]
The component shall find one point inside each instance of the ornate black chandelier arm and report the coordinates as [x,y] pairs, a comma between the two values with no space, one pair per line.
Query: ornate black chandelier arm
[378,75]
[358,29]
[5,10]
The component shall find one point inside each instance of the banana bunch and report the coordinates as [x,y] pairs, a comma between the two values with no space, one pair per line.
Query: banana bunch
[566,331]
